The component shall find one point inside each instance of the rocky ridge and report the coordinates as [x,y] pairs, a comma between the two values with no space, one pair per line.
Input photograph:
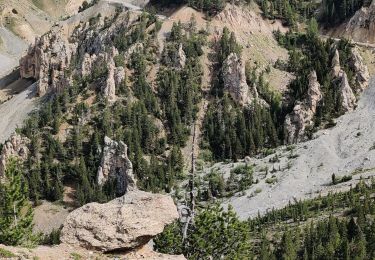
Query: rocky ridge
[56,56]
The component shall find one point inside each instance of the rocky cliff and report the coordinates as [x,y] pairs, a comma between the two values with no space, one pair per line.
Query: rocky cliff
[361,27]
[234,78]
[116,166]
[297,122]
[302,116]
[75,48]
[346,99]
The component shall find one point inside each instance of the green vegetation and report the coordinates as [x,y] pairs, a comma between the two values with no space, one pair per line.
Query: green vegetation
[85,5]
[215,234]
[337,11]
[76,256]
[291,12]
[230,130]
[338,226]
[16,214]
[6,254]
[210,7]
[307,53]
[329,12]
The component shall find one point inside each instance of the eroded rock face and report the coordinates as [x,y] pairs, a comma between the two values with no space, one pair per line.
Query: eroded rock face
[115,165]
[303,113]
[47,61]
[362,75]
[347,100]
[75,49]
[17,147]
[361,27]
[121,224]
[109,89]
[234,78]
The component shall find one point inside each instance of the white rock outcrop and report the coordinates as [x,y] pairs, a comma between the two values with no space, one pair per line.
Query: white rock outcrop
[109,89]
[124,223]
[16,147]
[115,165]
[234,78]
[362,75]
[303,112]
[47,61]
[181,61]
[346,99]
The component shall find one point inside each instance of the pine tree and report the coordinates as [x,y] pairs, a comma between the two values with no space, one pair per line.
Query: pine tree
[16,214]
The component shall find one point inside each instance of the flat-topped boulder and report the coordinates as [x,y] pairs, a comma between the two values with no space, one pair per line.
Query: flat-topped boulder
[125,223]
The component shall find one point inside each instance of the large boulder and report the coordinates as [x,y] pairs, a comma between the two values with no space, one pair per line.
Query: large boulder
[124,223]
[234,78]
[16,147]
[115,165]
[301,118]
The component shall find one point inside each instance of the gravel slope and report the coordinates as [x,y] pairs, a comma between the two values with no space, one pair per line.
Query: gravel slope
[345,149]
[15,111]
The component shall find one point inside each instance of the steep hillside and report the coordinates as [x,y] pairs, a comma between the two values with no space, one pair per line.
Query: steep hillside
[359,28]
[243,113]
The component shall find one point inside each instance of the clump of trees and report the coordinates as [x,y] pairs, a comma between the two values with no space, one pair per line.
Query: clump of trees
[337,11]
[16,213]
[215,234]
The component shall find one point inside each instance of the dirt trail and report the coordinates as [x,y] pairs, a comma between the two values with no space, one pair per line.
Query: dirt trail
[346,149]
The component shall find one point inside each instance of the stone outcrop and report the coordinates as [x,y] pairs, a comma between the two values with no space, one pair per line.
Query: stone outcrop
[124,223]
[347,100]
[16,147]
[47,61]
[297,122]
[361,27]
[109,88]
[362,75]
[181,61]
[336,67]
[234,78]
[115,165]
[63,52]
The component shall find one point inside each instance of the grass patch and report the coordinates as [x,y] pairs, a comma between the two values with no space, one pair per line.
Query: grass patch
[76,256]
[6,254]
